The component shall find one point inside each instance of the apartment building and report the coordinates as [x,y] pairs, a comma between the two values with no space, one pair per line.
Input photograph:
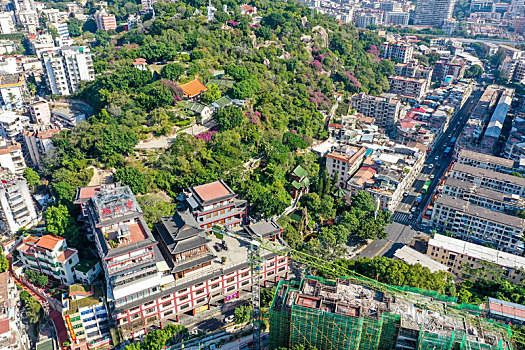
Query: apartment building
[397,18]
[386,108]
[12,91]
[12,125]
[344,162]
[408,86]
[49,255]
[490,179]
[7,22]
[368,17]
[104,20]
[11,157]
[485,161]
[449,66]
[476,224]
[461,256]
[86,317]
[215,203]
[433,12]
[66,67]
[37,144]
[397,50]
[483,197]
[40,112]
[17,209]
[61,28]
[414,70]
[148,282]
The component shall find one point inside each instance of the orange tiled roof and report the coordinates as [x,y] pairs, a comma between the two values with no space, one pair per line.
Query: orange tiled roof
[193,88]
[66,254]
[48,242]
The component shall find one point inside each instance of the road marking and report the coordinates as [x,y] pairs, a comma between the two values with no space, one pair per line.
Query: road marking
[381,250]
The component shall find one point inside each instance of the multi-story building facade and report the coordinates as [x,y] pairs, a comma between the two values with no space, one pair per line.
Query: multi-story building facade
[414,70]
[395,18]
[473,223]
[398,50]
[215,203]
[49,255]
[11,157]
[86,317]
[105,21]
[12,125]
[449,66]
[367,17]
[408,86]
[433,12]
[17,209]
[490,179]
[486,161]
[461,256]
[7,22]
[483,197]
[66,67]
[343,163]
[147,285]
[386,108]
[37,144]
[12,91]
[40,112]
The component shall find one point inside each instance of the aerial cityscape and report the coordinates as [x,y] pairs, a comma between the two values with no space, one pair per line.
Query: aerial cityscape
[304,175]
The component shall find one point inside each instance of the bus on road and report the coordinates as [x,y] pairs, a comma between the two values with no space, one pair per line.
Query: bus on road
[426,186]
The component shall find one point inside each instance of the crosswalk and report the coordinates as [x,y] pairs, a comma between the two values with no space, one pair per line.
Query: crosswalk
[404,218]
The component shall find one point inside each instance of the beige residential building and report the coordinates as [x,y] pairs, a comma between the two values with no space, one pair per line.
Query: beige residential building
[386,108]
[408,86]
[485,161]
[459,256]
[343,163]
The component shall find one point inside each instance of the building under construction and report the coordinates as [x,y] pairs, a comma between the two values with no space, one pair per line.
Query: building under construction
[346,314]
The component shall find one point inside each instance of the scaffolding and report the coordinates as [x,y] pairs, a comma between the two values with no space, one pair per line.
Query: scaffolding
[327,315]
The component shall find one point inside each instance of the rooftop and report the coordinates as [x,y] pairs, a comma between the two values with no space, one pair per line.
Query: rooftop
[506,309]
[477,251]
[49,242]
[412,257]
[11,80]
[487,173]
[193,88]
[486,158]
[211,192]
[480,212]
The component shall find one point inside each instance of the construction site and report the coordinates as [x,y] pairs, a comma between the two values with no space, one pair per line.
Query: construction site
[349,315]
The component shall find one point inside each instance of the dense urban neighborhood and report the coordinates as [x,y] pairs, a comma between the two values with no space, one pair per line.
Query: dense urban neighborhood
[307,175]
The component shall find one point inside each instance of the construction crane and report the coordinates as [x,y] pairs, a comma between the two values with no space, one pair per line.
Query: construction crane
[255,257]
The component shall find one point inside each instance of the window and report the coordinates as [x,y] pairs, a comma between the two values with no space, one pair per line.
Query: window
[167,313]
[245,282]
[184,297]
[213,286]
[230,280]
[169,303]
[166,297]
[198,285]
[200,291]
[244,274]
[270,273]
[185,306]
[230,288]
[200,300]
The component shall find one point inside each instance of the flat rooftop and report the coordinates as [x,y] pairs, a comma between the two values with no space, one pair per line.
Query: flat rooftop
[485,158]
[412,257]
[477,251]
[488,174]
[471,188]
[480,212]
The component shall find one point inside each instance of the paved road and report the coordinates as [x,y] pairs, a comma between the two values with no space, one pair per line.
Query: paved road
[406,217]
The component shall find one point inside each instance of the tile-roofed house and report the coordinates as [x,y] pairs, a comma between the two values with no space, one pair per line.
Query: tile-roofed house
[221,103]
[300,181]
[193,88]
[49,255]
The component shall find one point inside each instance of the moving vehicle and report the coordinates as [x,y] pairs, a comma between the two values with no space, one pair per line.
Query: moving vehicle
[419,198]
[447,150]
[452,141]
[425,187]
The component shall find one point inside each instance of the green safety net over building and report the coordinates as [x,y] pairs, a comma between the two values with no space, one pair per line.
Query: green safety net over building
[292,324]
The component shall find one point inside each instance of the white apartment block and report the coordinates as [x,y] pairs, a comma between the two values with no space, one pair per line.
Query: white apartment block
[398,50]
[12,125]
[17,207]
[343,163]
[459,255]
[490,179]
[12,91]
[37,144]
[397,18]
[385,108]
[66,67]
[49,255]
[7,22]
[62,29]
[408,86]
[433,12]
[11,157]
[476,224]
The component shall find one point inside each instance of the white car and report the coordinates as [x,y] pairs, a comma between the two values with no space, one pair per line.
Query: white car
[436,157]
[430,166]
[431,176]
[413,209]
[229,319]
